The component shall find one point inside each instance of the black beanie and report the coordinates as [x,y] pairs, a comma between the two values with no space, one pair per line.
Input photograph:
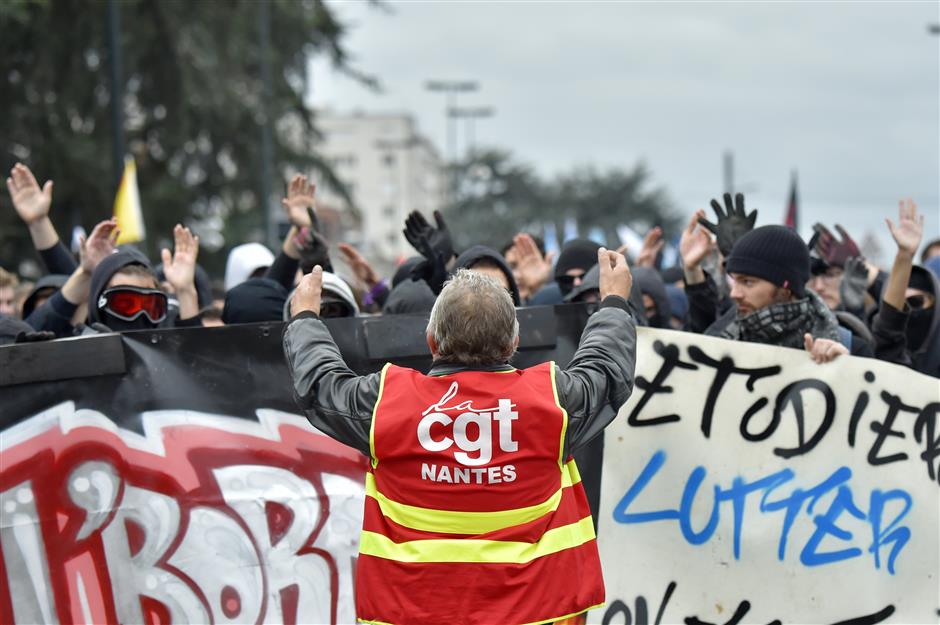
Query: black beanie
[576,254]
[920,279]
[776,254]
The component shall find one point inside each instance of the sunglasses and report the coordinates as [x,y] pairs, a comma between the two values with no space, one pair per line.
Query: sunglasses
[917,302]
[568,281]
[128,303]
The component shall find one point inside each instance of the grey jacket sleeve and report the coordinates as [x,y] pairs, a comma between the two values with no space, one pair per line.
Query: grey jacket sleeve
[599,378]
[334,399]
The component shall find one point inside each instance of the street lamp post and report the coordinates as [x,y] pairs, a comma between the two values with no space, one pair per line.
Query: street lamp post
[471,114]
[451,88]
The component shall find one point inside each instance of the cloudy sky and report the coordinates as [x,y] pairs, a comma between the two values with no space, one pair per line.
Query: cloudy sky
[847,93]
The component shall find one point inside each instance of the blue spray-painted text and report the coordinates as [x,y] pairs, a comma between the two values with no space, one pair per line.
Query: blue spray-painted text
[891,535]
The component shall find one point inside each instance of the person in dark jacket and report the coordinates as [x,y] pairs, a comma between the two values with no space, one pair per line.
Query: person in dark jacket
[656,304]
[907,326]
[769,267]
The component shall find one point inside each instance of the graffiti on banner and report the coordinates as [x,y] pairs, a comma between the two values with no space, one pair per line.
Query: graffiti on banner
[202,518]
[745,483]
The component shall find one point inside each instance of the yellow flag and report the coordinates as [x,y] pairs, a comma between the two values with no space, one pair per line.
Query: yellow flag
[127,206]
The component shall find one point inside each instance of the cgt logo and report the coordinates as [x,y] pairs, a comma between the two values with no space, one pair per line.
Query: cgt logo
[204,519]
[435,439]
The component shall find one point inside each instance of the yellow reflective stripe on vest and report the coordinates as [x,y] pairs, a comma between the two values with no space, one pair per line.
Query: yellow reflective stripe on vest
[378,400]
[459,522]
[564,415]
[480,551]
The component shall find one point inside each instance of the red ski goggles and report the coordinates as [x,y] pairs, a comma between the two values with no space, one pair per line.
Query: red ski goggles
[129,302]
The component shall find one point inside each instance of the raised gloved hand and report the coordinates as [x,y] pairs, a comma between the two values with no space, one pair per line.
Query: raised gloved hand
[311,246]
[420,234]
[854,284]
[731,224]
[830,249]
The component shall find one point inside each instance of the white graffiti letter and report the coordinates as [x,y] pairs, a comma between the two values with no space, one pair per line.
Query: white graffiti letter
[248,489]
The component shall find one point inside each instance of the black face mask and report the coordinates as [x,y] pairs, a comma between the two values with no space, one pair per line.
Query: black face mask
[119,325]
[918,326]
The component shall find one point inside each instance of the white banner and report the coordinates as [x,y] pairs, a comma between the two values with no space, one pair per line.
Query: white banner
[746,484]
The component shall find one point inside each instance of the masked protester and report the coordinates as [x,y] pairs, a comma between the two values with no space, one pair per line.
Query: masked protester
[907,326]
[125,293]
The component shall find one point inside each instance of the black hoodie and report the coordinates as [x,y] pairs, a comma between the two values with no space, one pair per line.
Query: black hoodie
[650,283]
[892,329]
[475,254]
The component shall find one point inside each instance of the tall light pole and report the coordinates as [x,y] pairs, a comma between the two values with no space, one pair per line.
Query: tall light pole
[471,114]
[451,88]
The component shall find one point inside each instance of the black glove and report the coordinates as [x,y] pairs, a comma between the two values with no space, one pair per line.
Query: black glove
[732,224]
[419,233]
[34,337]
[853,286]
[312,246]
[830,249]
[433,269]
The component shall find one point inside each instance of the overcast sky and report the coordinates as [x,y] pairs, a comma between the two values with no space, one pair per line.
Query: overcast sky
[847,93]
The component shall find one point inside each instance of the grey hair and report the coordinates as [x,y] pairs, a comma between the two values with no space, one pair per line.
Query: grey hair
[473,322]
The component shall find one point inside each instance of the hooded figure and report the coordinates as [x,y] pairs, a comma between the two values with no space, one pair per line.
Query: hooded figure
[576,258]
[590,289]
[336,300]
[678,305]
[45,287]
[911,337]
[137,276]
[409,297]
[244,261]
[655,300]
[489,261]
[253,301]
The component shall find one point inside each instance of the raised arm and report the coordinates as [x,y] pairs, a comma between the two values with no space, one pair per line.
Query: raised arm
[334,399]
[599,379]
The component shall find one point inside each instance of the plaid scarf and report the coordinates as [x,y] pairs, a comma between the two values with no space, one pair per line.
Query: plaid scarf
[784,324]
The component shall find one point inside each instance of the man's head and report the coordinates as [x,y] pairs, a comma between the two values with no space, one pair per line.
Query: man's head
[826,282]
[8,282]
[489,262]
[768,265]
[576,258]
[931,249]
[473,322]
[125,293]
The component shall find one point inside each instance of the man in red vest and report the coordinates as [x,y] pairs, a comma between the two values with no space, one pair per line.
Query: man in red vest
[474,510]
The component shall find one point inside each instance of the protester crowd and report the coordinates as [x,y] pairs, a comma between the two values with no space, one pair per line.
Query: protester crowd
[736,280]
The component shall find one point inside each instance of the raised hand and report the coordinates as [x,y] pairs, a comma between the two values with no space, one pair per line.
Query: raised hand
[695,243]
[615,276]
[732,224]
[652,243]
[823,350]
[98,245]
[309,293]
[301,195]
[359,265]
[832,250]
[910,228]
[31,202]
[532,269]
[854,284]
[423,236]
[180,267]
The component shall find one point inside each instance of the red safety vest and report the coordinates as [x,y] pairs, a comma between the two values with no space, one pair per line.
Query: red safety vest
[472,516]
